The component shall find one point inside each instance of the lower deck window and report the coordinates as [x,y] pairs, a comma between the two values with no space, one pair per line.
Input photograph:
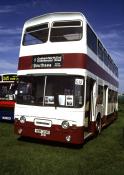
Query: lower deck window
[62,91]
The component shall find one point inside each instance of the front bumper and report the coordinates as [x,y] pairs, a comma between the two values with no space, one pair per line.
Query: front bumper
[73,135]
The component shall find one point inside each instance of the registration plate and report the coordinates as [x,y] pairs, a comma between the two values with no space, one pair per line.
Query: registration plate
[42,132]
[6,118]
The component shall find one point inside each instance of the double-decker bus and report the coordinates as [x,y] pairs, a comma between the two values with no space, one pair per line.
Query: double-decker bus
[8,86]
[68,82]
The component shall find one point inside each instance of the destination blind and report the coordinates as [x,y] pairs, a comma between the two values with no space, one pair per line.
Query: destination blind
[47,61]
[10,77]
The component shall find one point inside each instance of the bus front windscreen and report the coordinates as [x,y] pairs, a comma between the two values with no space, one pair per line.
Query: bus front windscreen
[7,91]
[57,91]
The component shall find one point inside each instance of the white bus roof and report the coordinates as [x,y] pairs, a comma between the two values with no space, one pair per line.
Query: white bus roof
[50,17]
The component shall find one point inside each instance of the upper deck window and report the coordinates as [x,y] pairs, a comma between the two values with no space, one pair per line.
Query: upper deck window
[91,39]
[66,23]
[36,34]
[100,51]
[63,31]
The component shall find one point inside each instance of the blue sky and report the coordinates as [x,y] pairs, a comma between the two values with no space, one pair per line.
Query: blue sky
[106,17]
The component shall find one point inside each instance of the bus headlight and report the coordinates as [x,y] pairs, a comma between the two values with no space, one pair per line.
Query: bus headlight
[22,119]
[65,124]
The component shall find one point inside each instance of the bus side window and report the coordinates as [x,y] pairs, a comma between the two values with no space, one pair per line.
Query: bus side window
[100,95]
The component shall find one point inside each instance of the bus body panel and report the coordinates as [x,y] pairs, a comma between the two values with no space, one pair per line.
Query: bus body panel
[76,58]
[57,115]
[51,122]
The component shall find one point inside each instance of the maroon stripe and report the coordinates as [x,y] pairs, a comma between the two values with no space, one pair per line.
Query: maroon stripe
[25,63]
[75,60]
[56,132]
[7,104]
[93,67]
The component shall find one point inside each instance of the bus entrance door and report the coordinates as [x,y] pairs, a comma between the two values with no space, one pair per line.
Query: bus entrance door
[105,103]
[90,104]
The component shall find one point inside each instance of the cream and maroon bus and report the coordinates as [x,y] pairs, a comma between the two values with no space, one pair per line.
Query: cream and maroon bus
[68,82]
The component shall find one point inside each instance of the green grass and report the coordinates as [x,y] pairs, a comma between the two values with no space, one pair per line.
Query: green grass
[121,99]
[103,155]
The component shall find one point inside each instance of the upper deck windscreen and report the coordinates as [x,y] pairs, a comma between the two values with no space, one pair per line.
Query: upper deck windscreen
[61,31]
[66,31]
[36,34]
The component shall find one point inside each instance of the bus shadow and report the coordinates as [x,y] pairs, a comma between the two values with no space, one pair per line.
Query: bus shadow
[61,144]
[7,121]
[49,143]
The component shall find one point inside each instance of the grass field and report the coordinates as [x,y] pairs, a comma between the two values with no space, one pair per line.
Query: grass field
[103,155]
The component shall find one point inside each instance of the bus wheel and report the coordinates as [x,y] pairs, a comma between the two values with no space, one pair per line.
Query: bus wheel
[98,125]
